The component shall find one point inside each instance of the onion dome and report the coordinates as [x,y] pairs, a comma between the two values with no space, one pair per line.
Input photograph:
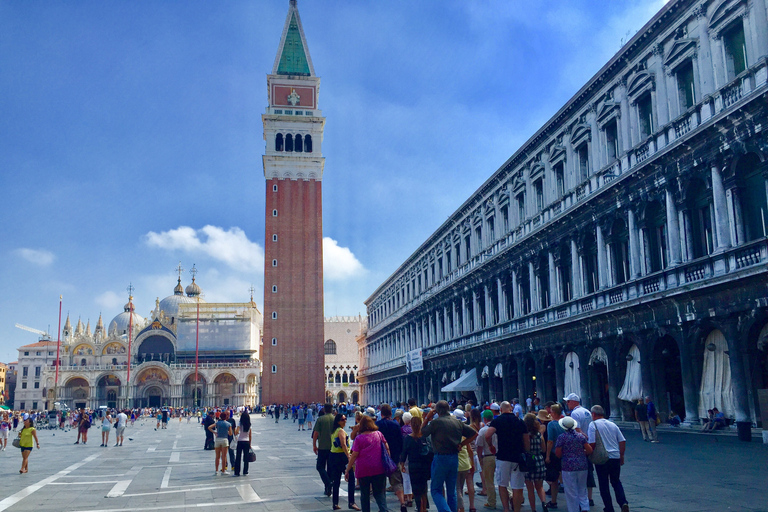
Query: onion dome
[119,324]
[178,290]
[193,290]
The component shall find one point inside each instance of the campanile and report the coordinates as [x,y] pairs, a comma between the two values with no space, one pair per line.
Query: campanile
[293,357]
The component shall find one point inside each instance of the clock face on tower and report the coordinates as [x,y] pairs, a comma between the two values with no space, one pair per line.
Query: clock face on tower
[288,96]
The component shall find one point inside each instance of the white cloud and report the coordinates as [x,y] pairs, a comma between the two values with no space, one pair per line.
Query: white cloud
[37,256]
[231,247]
[110,301]
[339,263]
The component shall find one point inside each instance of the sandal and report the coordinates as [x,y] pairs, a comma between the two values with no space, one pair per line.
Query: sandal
[354,507]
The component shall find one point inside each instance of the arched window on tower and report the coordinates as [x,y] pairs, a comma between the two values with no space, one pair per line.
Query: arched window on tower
[298,145]
[352,377]
[307,143]
[279,142]
[289,142]
[330,377]
[338,378]
[344,378]
[330,348]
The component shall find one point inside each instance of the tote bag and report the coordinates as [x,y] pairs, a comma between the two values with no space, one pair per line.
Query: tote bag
[599,455]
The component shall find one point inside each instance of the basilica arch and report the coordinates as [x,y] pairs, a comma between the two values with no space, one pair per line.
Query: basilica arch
[108,390]
[225,389]
[152,386]
[77,392]
[195,391]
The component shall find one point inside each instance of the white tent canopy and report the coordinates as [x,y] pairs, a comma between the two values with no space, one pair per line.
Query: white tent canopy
[467,382]
[499,370]
[633,380]
[572,376]
[485,372]
[716,387]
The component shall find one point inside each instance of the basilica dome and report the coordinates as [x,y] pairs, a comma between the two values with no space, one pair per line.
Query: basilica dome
[119,324]
[170,305]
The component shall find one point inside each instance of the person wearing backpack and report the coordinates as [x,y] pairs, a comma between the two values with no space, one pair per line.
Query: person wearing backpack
[418,454]
[613,443]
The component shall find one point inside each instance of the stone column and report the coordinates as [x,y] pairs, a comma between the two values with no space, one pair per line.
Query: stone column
[515,295]
[554,291]
[735,219]
[535,299]
[560,376]
[738,371]
[602,259]
[721,210]
[522,389]
[475,313]
[488,309]
[446,325]
[501,303]
[464,319]
[575,270]
[634,245]
[614,384]
[673,229]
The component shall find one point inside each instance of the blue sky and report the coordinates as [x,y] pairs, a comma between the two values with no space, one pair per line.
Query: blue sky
[131,136]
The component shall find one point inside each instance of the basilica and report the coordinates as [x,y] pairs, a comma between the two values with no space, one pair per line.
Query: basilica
[186,353]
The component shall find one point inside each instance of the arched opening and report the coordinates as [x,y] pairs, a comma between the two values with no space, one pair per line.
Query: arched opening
[589,262]
[338,378]
[225,386]
[619,247]
[108,386]
[344,378]
[341,397]
[530,379]
[598,379]
[328,397]
[307,143]
[77,391]
[668,377]
[279,142]
[153,396]
[153,385]
[330,348]
[194,391]
[550,379]
[752,198]
[497,383]
[700,241]
[655,237]
[355,397]
[632,389]
[114,361]
[716,389]
[156,348]
[352,377]
[524,289]
[330,377]
[298,144]
[289,142]
[83,362]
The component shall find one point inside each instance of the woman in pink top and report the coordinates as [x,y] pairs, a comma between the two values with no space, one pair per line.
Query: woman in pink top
[366,458]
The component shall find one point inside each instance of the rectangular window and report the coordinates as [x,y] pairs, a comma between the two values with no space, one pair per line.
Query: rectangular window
[25,371]
[37,385]
[612,141]
[38,353]
[23,385]
[735,50]
[34,406]
[468,248]
[440,268]
[559,170]
[37,372]
[448,261]
[538,187]
[583,159]
[520,207]
[491,229]
[21,406]
[504,219]
[274,368]
[686,91]
[458,255]
[645,115]
[479,237]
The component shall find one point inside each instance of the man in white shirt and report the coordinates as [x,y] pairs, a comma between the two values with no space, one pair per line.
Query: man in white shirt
[486,454]
[614,443]
[529,404]
[122,418]
[517,409]
[583,418]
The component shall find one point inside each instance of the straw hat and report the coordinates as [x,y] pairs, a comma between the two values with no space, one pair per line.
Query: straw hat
[543,415]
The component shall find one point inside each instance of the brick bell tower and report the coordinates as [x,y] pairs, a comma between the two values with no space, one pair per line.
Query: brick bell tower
[293,357]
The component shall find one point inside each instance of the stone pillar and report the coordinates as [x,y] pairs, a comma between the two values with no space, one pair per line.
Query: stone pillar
[522,390]
[464,319]
[634,245]
[446,325]
[554,291]
[475,313]
[515,295]
[614,384]
[535,299]
[738,372]
[673,229]
[488,309]
[559,376]
[602,258]
[735,219]
[575,270]
[501,303]
[721,210]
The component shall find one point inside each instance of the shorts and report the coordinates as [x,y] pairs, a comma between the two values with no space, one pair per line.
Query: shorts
[553,469]
[3,434]
[106,428]
[120,431]
[26,448]
[301,421]
[396,481]
[221,441]
[508,475]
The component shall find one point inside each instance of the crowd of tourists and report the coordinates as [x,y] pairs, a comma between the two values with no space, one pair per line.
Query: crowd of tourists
[437,448]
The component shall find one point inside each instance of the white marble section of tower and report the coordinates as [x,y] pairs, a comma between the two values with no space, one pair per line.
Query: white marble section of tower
[293,122]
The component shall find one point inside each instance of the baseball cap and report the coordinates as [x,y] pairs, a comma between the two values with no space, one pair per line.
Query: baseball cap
[495,406]
[487,414]
[572,396]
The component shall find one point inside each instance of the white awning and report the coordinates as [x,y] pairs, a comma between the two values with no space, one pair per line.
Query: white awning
[467,382]
[598,355]
[499,371]
[484,374]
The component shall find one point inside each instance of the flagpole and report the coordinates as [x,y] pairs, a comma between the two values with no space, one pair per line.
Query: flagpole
[197,346]
[130,335]
[58,349]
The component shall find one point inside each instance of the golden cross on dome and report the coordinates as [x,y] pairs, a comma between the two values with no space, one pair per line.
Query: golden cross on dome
[130,290]
[193,272]
[179,269]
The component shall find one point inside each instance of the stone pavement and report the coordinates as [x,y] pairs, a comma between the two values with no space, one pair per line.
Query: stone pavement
[168,470]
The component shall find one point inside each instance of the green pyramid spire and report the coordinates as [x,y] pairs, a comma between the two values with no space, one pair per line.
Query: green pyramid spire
[293,60]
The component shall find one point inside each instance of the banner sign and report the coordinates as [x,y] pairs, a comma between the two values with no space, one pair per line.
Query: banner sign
[414,361]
